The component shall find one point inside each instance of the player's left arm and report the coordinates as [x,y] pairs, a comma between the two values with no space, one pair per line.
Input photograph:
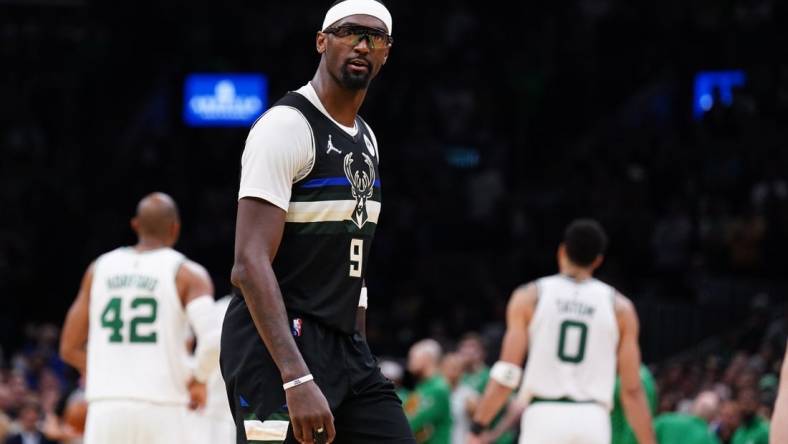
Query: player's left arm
[506,373]
[195,290]
[74,338]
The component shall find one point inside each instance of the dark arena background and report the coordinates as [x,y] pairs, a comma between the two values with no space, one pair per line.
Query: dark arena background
[498,124]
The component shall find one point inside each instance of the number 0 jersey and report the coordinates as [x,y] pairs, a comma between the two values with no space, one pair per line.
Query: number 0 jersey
[572,341]
[138,328]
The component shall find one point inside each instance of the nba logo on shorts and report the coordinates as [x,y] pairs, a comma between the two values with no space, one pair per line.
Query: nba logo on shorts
[297,327]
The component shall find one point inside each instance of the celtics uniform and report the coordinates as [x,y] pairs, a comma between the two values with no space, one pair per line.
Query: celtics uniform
[571,368]
[137,363]
[325,176]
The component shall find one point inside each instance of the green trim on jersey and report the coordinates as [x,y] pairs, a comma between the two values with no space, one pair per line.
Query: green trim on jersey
[562,401]
[276,416]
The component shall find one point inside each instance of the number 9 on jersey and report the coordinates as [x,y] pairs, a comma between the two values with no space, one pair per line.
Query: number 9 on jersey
[356,257]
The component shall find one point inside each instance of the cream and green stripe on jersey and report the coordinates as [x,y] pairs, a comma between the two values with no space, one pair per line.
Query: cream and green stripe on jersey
[268,431]
[271,431]
[328,205]
[329,211]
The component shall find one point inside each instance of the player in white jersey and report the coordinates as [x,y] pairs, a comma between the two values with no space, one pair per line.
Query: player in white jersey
[214,423]
[579,331]
[127,329]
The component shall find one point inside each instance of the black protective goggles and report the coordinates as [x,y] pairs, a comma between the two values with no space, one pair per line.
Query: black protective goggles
[353,34]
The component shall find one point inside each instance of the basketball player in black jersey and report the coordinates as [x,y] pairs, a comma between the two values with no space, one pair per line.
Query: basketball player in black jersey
[294,358]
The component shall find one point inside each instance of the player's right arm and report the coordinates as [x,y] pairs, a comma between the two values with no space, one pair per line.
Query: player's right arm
[513,414]
[195,290]
[778,433]
[258,234]
[276,153]
[515,343]
[74,338]
[633,397]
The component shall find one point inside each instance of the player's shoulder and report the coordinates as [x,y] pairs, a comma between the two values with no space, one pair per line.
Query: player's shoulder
[623,306]
[540,280]
[543,285]
[114,252]
[189,268]
[283,118]
[371,133]
[366,125]
[525,288]
[525,295]
[604,285]
[108,256]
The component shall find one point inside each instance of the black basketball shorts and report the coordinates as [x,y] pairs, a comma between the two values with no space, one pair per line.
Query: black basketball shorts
[363,402]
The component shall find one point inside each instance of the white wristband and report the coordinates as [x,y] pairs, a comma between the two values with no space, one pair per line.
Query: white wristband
[506,374]
[297,381]
[362,300]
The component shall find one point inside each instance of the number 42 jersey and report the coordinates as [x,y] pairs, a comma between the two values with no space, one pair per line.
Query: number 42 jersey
[573,342]
[138,328]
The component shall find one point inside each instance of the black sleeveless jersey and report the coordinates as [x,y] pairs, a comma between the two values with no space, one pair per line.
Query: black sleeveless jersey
[330,222]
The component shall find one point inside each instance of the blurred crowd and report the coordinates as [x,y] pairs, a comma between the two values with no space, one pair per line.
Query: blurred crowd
[741,369]
[729,381]
[726,387]
[41,398]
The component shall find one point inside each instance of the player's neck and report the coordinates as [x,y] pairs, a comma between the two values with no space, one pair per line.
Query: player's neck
[147,244]
[341,103]
[576,273]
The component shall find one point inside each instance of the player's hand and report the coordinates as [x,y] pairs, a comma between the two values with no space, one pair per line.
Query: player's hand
[197,394]
[486,437]
[474,439]
[309,412]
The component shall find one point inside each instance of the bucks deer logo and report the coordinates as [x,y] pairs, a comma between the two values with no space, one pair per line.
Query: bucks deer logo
[361,185]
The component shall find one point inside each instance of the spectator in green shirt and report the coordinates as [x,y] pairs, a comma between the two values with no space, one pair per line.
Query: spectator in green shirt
[427,407]
[621,432]
[679,428]
[728,421]
[753,428]
[477,373]
[471,348]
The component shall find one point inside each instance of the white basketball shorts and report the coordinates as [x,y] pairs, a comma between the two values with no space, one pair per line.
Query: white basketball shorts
[135,422]
[565,423]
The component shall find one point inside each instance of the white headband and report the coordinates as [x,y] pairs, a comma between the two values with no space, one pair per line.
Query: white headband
[353,7]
